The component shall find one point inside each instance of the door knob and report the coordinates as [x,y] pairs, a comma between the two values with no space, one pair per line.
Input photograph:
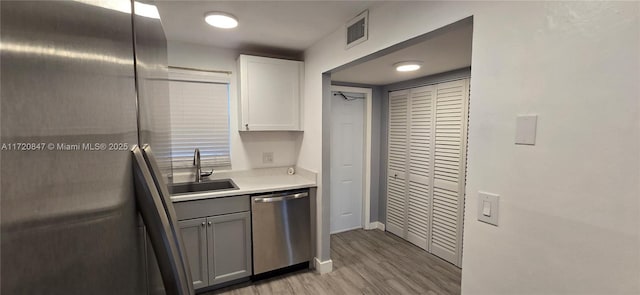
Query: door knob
[203,223]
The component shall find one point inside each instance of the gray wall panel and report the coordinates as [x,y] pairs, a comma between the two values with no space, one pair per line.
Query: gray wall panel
[382,183]
[376,110]
[324,250]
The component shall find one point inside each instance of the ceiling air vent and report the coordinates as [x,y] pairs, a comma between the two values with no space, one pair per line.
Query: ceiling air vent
[357,29]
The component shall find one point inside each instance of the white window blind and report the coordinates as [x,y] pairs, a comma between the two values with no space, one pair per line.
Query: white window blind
[199,119]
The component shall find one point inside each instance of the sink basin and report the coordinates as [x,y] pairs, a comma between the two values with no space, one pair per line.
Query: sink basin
[209,185]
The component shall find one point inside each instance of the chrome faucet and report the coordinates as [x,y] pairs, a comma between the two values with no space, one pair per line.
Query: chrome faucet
[196,162]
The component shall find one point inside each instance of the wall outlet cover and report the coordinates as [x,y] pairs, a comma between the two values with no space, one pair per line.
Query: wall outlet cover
[267,157]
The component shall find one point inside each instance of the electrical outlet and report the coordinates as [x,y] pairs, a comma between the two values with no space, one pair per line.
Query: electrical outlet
[267,157]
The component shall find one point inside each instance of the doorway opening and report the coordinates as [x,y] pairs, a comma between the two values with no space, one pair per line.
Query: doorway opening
[418,145]
[351,162]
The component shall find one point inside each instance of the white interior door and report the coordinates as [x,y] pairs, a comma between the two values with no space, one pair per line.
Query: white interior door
[347,146]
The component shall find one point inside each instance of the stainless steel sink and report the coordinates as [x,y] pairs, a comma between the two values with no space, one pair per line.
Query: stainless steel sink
[209,185]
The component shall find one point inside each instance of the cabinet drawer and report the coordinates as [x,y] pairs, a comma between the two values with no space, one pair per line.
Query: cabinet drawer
[210,207]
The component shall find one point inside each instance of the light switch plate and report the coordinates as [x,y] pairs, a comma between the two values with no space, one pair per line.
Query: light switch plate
[526,129]
[491,200]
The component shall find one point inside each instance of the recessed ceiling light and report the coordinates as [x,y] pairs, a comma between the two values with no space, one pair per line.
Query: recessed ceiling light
[408,66]
[221,20]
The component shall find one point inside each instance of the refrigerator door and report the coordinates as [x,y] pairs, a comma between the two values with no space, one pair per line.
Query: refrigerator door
[153,104]
[165,197]
[160,229]
[69,223]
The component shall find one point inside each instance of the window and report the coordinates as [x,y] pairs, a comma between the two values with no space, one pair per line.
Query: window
[199,103]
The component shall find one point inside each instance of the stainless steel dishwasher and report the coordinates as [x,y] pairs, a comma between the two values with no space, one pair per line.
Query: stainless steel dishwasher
[281,225]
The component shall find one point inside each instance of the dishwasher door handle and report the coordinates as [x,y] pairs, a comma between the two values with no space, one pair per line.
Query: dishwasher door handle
[270,199]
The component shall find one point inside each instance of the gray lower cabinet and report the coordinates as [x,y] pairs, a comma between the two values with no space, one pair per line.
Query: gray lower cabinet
[229,239]
[194,236]
[218,248]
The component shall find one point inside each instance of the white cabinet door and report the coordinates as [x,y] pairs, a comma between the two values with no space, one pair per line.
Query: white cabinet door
[270,94]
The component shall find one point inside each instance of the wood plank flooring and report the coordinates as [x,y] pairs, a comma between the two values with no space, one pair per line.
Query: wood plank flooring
[366,262]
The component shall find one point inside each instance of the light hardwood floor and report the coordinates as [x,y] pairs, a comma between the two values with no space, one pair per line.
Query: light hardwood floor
[366,262]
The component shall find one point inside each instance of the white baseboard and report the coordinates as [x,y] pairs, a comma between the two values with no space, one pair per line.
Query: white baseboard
[344,230]
[376,225]
[323,267]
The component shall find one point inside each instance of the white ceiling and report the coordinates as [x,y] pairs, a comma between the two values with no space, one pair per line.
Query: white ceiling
[441,53]
[286,25]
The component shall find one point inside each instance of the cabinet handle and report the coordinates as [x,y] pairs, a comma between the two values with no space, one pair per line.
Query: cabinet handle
[246,126]
[203,223]
[209,223]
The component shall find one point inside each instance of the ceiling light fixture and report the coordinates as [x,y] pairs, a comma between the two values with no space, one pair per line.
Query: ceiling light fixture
[221,20]
[408,66]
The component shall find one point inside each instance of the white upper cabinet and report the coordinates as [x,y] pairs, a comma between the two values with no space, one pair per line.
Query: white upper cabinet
[270,94]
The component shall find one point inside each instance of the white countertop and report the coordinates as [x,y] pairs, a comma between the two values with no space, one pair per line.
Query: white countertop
[250,182]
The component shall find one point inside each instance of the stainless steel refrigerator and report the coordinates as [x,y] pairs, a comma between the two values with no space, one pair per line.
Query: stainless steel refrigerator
[81,83]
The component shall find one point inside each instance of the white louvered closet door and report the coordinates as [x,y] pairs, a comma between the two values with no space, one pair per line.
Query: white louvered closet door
[451,108]
[419,184]
[426,166]
[397,162]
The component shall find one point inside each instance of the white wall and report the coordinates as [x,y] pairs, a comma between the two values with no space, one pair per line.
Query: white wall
[246,147]
[570,205]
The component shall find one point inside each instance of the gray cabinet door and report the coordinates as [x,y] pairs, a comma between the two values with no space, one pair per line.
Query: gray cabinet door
[194,235]
[229,240]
